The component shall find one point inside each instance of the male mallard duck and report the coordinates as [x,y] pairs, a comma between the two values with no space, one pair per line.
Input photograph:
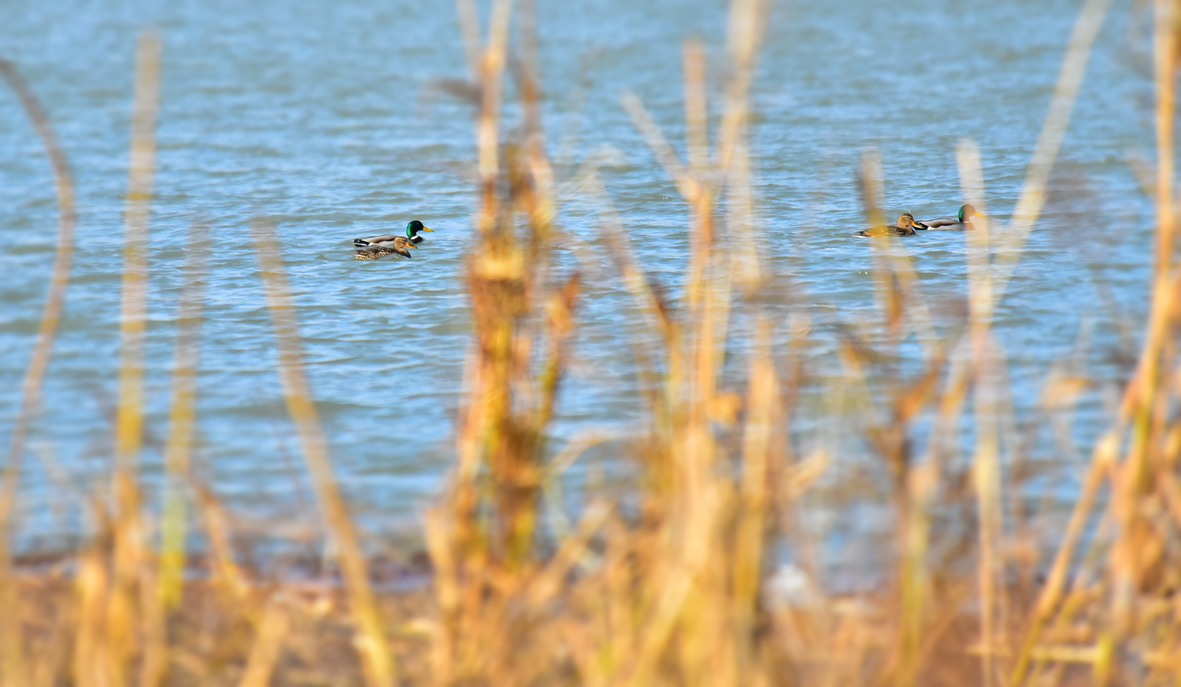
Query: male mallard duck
[400,245]
[960,221]
[412,230]
[904,227]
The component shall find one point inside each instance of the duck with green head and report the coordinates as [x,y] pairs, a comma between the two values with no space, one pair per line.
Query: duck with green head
[412,236]
[904,227]
[958,223]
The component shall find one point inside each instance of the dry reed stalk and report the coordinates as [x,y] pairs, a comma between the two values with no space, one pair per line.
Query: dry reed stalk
[129,428]
[660,146]
[377,661]
[986,468]
[268,646]
[690,594]
[539,205]
[1165,65]
[688,591]
[128,555]
[163,594]
[1137,548]
[13,672]
[1037,175]
[740,222]
[886,292]
[658,327]
[469,25]
[914,576]
[228,577]
[182,422]
[550,582]
[763,461]
[59,279]
[488,126]
[485,410]
[92,659]
[1138,482]
[744,39]
[483,539]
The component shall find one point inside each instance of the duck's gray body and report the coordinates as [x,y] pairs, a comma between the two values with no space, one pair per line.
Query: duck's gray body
[960,222]
[411,236]
[382,240]
[943,224]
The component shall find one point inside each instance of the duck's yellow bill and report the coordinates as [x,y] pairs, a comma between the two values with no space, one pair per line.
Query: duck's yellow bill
[432,230]
[980,214]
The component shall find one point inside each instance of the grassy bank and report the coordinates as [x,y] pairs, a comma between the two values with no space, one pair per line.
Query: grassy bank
[707,566]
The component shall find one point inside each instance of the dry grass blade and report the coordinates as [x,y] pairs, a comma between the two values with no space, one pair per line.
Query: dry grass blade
[986,460]
[886,292]
[268,646]
[371,642]
[1033,191]
[653,311]
[165,595]
[550,581]
[660,147]
[129,428]
[1105,456]
[696,135]
[470,29]
[745,28]
[740,221]
[51,315]
[182,422]
[1165,63]
[488,126]
[122,621]
[11,653]
[227,575]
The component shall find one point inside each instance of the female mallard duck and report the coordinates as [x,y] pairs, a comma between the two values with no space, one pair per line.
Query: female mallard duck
[400,245]
[904,227]
[959,222]
[412,230]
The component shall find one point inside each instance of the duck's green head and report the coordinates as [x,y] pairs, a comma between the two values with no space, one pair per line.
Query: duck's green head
[414,227]
[967,212]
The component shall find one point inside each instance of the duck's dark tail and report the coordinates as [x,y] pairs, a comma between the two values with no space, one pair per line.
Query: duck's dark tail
[360,243]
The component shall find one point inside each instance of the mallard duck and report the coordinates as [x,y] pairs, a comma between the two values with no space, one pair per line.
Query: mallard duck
[412,230]
[904,227]
[959,222]
[400,246]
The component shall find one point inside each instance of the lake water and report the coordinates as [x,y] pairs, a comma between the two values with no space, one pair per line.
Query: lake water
[322,115]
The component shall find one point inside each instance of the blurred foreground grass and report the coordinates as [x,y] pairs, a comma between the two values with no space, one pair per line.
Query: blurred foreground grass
[705,568]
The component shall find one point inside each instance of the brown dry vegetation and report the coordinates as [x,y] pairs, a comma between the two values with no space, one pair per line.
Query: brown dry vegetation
[679,577]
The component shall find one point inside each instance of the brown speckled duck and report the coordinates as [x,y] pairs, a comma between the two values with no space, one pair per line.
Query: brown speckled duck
[904,227]
[399,246]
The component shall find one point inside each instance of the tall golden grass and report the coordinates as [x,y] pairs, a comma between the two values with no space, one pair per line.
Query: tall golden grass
[704,569]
